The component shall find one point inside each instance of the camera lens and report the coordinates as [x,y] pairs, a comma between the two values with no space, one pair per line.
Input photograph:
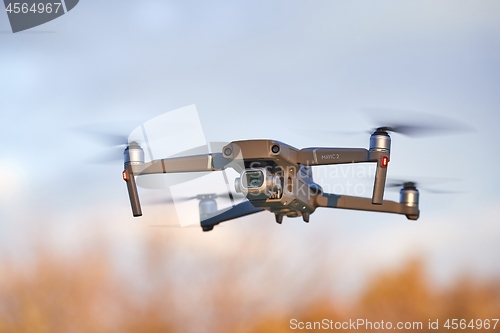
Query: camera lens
[275,149]
[228,151]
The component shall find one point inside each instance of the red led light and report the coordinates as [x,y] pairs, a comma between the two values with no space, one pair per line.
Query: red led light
[384,161]
[124,175]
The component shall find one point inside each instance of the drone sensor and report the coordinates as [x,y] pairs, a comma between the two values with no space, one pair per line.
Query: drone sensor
[228,151]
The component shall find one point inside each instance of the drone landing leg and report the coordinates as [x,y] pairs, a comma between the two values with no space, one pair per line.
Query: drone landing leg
[305,217]
[128,176]
[279,218]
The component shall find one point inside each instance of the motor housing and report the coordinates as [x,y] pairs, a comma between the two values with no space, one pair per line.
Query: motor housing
[380,141]
[133,154]
[409,196]
[207,208]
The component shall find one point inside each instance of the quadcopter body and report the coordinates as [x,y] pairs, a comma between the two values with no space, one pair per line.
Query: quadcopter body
[277,177]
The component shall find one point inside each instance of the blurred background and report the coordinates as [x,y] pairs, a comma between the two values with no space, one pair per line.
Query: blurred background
[74,259]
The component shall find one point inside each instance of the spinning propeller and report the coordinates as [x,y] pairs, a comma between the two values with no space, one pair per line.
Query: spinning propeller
[401,184]
[109,136]
[410,123]
[414,124]
[207,205]
[201,197]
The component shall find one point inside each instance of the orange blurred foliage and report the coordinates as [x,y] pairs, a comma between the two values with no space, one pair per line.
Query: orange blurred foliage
[89,293]
[403,295]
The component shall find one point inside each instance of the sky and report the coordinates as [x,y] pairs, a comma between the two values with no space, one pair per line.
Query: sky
[300,72]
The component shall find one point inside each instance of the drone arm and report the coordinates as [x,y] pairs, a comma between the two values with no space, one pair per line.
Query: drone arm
[197,163]
[325,156]
[129,178]
[357,203]
[242,209]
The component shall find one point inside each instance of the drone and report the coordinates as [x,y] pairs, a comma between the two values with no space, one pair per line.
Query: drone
[277,177]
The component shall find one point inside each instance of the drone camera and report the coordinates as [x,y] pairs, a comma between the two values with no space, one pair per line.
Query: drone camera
[259,184]
[275,149]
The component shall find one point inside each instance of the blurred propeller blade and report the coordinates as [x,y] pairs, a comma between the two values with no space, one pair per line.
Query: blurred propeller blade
[163,181]
[415,124]
[176,226]
[113,155]
[108,134]
[110,139]
[163,201]
[399,184]
[409,123]
[224,196]
[441,191]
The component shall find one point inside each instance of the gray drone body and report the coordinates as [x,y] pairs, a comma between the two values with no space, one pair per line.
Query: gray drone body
[278,178]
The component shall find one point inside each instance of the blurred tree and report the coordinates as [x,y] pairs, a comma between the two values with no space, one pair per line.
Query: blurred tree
[238,292]
[401,295]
